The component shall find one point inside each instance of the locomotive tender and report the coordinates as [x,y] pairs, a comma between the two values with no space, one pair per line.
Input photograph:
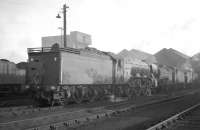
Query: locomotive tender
[75,71]
[69,66]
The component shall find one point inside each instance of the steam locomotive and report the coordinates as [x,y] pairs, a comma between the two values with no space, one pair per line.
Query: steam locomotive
[60,75]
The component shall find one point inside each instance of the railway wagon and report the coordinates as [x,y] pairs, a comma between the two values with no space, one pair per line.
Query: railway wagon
[73,70]
[11,77]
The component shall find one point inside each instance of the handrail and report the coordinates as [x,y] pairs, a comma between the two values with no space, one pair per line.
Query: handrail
[49,49]
[70,50]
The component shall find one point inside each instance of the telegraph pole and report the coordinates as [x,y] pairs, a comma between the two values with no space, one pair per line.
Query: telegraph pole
[64,24]
[64,11]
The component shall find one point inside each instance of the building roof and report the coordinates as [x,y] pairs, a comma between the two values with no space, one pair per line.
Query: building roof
[178,53]
[171,57]
[134,54]
[151,60]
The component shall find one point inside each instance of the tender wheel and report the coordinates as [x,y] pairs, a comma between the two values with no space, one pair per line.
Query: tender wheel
[67,96]
[137,91]
[148,92]
[92,94]
[118,91]
[99,93]
[130,93]
[78,95]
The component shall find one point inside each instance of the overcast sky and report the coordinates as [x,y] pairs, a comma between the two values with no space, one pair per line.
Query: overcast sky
[147,25]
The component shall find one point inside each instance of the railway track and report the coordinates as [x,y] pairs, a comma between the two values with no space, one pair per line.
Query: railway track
[14,112]
[188,119]
[74,118]
[62,117]
[142,117]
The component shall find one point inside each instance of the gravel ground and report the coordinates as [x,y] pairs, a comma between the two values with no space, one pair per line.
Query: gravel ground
[75,107]
[190,121]
[142,118]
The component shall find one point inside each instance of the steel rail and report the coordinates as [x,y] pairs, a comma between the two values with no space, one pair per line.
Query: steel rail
[171,120]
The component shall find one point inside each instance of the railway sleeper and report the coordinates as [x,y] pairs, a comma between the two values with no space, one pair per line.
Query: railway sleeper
[188,122]
[188,126]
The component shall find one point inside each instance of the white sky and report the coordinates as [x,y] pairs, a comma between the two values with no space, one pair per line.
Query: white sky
[147,25]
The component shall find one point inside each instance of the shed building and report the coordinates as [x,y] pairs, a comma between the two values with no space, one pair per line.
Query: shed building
[75,40]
